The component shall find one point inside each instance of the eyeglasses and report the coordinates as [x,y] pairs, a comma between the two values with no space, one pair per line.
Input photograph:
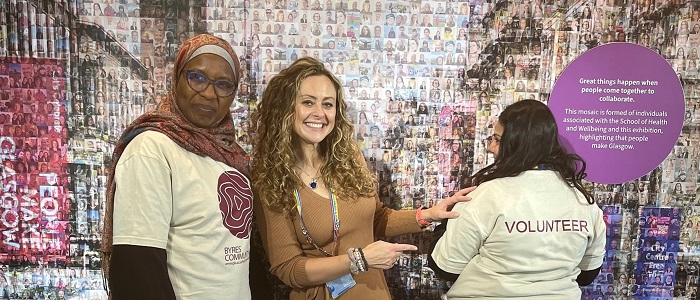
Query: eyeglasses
[200,82]
[493,138]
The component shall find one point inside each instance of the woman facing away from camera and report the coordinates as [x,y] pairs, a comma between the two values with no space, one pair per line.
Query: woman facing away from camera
[531,231]
[179,205]
[316,202]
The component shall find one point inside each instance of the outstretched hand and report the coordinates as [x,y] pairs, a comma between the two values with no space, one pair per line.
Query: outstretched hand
[443,210]
[383,255]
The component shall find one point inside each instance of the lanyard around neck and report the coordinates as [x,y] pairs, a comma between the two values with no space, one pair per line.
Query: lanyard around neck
[336,222]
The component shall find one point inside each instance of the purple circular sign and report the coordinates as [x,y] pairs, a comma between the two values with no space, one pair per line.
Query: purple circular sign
[620,107]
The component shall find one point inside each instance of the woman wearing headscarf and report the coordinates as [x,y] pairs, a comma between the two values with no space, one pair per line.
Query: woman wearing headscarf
[179,202]
[317,205]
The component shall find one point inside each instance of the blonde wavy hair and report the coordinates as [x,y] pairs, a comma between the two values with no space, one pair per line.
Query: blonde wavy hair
[276,151]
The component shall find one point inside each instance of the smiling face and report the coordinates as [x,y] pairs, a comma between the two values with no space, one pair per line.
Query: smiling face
[315,109]
[204,109]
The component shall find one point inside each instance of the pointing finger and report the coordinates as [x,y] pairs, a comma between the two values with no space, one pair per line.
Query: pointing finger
[404,247]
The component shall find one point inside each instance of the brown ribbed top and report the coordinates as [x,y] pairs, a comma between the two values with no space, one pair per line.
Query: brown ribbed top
[288,249]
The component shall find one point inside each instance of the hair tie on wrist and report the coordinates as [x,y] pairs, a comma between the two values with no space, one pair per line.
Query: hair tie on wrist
[419,217]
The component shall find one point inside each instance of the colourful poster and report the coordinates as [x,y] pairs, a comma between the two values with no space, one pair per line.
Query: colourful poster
[654,272]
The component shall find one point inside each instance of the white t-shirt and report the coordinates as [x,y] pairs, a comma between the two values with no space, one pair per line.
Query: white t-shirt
[523,237]
[197,209]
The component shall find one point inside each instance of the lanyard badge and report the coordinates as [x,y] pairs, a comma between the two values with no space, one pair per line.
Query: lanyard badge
[336,223]
[341,284]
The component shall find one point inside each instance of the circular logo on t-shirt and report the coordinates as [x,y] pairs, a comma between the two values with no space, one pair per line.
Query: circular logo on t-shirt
[620,107]
[235,203]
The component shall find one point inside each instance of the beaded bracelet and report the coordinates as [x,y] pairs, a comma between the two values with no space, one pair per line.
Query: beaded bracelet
[354,269]
[364,260]
[360,264]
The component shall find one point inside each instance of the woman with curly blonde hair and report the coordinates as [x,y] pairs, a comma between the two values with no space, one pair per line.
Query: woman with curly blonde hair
[316,201]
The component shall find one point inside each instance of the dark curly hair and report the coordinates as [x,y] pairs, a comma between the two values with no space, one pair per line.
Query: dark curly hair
[275,150]
[530,139]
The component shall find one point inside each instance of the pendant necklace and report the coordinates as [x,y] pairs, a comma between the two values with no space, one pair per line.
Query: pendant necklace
[313,184]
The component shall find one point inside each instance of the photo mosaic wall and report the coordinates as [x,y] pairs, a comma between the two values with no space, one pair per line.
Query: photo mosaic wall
[425,81]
